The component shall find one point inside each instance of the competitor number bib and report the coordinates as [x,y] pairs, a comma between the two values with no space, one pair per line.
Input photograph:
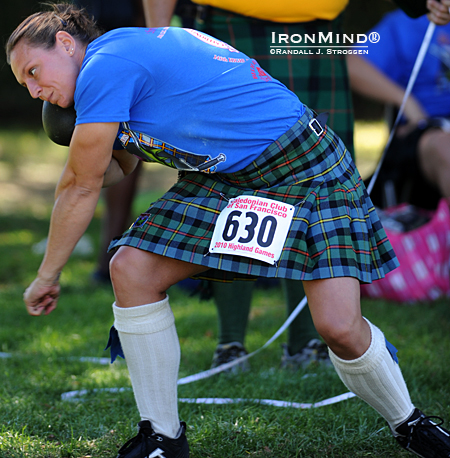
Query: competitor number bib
[254,227]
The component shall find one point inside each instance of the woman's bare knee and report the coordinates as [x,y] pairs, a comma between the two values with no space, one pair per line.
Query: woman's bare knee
[130,267]
[121,262]
[336,312]
[338,331]
[348,339]
[140,277]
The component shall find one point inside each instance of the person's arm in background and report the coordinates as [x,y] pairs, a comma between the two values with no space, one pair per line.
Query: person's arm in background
[158,13]
[367,80]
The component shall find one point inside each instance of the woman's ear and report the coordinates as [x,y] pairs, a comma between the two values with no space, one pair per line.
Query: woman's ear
[66,41]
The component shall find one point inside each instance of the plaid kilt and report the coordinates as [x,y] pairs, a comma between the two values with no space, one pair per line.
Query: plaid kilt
[319,80]
[335,230]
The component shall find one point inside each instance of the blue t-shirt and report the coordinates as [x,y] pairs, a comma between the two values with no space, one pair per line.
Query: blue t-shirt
[188,100]
[396,53]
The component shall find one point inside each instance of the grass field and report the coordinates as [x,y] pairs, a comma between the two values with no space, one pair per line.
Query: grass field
[42,358]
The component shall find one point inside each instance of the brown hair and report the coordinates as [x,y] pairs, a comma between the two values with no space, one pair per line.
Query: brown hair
[40,29]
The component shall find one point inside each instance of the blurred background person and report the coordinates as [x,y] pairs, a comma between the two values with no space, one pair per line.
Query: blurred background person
[112,14]
[322,82]
[418,160]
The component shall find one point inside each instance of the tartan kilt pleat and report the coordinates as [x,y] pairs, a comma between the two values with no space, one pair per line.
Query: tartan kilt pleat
[335,230]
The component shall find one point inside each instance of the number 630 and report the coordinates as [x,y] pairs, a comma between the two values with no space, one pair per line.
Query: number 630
[266,231]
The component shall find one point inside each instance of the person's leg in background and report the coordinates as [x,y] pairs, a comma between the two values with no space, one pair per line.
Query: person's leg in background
[232,301]
[304,345]
[434,159]
[118,205]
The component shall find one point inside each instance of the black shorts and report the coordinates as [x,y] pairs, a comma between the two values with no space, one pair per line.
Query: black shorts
[401,167]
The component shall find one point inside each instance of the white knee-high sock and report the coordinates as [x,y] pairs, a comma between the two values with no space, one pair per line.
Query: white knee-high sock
[376,378]
[152,352]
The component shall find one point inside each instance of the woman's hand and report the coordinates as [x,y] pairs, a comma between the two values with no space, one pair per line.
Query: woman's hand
[41,297]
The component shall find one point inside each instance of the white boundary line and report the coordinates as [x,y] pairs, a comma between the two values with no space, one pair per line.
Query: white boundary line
[82,359]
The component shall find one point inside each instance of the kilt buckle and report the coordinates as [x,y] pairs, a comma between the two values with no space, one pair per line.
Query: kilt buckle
[316,127]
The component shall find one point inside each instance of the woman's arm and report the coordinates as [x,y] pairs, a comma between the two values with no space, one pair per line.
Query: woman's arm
[76,198]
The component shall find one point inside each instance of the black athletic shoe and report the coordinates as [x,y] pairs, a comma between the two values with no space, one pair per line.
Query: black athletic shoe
[148,444]
[422,436]
[225,353]
[315,353]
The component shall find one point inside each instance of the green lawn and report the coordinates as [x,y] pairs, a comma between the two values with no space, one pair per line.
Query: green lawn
[41,355]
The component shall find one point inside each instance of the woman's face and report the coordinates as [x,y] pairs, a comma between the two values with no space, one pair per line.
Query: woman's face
[48,74]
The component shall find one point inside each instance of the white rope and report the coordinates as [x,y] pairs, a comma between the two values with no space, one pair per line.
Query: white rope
[412,79]
[223,367]
[270,402]
[76,395]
